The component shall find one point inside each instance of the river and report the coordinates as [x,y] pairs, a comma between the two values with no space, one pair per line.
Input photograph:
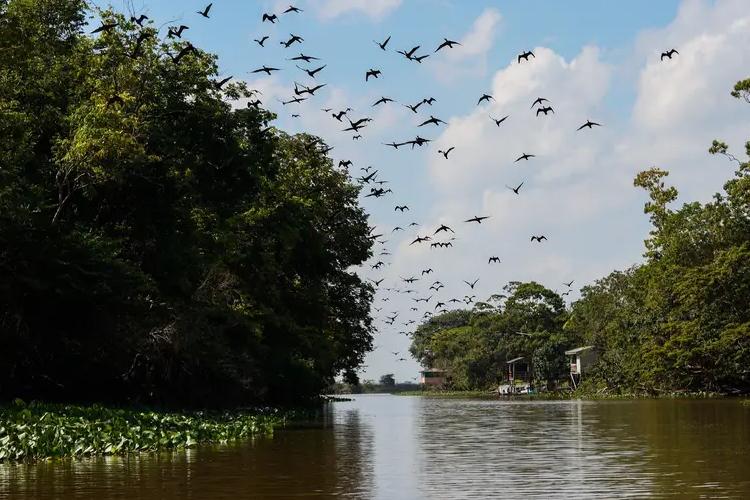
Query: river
[400,447]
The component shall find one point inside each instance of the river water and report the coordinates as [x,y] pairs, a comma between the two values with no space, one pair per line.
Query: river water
[400,447]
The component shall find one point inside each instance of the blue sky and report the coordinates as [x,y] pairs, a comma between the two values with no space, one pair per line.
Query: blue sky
[594,60]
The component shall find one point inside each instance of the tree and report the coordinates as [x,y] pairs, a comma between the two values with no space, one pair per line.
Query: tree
[388,380]
[158,240]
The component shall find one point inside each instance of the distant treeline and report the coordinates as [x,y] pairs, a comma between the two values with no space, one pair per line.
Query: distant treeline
[679,321]
[160,241]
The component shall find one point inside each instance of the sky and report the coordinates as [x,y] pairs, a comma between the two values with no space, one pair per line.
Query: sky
[594,60]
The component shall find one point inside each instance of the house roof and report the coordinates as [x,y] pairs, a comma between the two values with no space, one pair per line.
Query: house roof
[432,370]
[578,349]
[515,360]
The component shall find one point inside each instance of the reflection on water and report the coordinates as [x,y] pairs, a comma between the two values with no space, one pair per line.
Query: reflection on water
[389,447]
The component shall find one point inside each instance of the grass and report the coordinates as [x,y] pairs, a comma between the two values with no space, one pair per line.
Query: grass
[42,431]
[448,394]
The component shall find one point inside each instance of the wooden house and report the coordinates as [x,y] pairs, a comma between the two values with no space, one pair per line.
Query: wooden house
[433,377]
[581,359]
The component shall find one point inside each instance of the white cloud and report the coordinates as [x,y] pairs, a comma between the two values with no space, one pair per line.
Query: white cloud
[375,9]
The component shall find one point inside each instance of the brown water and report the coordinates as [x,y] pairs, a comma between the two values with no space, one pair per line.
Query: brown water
[396,447]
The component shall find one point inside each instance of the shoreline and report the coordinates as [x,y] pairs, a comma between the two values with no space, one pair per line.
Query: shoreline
[39,431]
[562,396]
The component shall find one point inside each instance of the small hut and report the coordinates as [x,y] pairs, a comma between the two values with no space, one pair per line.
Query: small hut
[581,359]
[432,377]
[518,369]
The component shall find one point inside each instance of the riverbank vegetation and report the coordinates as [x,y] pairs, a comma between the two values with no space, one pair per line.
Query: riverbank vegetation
[42,431]
[679,322]
[161,242]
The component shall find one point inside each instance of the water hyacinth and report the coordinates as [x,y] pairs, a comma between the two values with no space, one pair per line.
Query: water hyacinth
[40,431]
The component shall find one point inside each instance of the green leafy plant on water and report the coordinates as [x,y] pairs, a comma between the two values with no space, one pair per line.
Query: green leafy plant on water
[39,431]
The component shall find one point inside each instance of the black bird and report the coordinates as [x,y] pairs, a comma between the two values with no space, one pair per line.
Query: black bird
[205,11]
[478,220]
[292,8]
[421,58]
[409,54]
[397,228]
[471,285]
[295,100]
[426,271]
[340,114]
[139,20]
[413,224]
[525,56]
[348,163]
[539,100]
[493,259]
[185,51]
[138,43]
[395,145]
[378,265]
[409,280]
[401,208]
[567,293]
[382,100]
[569,284]
[292,40]
[266,70]
[270,17]
[303,57]
[312,90]
[589,124]
[177,32]
[485,97]
[312,72]
[261,41]
[445,228]
[501,120]
[419,239]
[524,157]
[378,282]
[446,152]
[430,101]
[414,107]
[221,83]
[418,141]
[515,189]
[375,73]
[538,238]
[384,44]
[356,137]
[432,120]
[545,110]
[447,43]
[668,54]
[105,27]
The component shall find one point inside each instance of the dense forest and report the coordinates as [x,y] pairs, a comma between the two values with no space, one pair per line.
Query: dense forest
[679,321]
[161,242]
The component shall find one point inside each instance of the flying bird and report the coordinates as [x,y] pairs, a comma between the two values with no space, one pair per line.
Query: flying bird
[384,44]
[485,97]
[539,100]
[312,72]
[375,73]
[501,120]
[401,208]
[292,8]
[205,11]
[105,27]
[432,120]
[292,40]
[472,285]
[420,239]
[172,32]
[569,284]
[430,101]
[221,83]
[545,110]
[445,228]
[266,70]
[525,56]
[139,20]
[668,54]
[478,220]
[515,189]
[524,157]
[446,152]
[261,41]
[538,238]
[270,18]
[589,124]
[382,100]
[447,43]
[493,259]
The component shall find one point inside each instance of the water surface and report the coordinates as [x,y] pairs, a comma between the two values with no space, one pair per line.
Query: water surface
[397,447]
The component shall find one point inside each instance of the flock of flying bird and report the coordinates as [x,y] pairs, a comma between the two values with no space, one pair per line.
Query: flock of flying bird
[369,177]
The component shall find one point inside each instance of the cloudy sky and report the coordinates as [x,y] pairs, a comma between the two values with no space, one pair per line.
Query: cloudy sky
[594,60]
